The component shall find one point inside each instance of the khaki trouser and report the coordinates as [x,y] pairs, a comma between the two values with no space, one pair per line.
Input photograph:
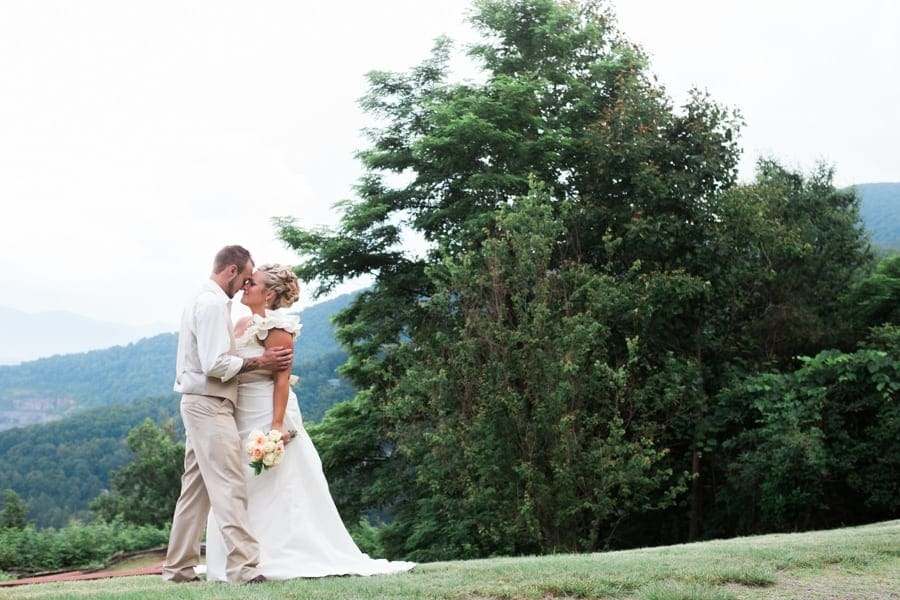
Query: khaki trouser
[213,476]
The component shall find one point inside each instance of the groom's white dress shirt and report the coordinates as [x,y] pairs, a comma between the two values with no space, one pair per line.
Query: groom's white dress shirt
[206,342]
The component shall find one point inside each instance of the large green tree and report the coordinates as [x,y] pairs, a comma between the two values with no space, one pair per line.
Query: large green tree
[525,432]
[566,101]
[506,371]
[13,515]
[144,492]
[778,255]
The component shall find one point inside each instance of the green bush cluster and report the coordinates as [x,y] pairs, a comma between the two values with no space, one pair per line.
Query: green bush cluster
[78,544]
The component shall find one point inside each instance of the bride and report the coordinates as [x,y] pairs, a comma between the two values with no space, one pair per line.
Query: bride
[292,513]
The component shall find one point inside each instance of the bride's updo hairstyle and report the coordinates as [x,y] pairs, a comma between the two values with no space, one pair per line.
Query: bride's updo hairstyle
[281,280]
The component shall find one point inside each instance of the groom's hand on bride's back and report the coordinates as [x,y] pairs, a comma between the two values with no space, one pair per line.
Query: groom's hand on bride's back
[277,358]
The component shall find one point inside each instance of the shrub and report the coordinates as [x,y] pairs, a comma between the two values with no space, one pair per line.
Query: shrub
[76,545]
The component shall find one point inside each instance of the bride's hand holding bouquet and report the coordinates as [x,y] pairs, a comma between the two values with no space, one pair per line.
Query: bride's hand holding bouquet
[266,450]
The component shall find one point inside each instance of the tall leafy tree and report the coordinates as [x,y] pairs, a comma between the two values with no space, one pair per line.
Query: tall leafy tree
[13,515]
[144,492]
[778,255]
[506,373]
[567,101]
[525,439]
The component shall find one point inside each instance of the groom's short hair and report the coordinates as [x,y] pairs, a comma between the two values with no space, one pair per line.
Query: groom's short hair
[231,255]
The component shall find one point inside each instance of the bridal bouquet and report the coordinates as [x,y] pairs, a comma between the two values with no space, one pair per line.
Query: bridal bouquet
[266,449]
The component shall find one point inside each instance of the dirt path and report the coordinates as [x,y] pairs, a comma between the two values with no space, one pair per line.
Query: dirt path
[154,569]
[137,563]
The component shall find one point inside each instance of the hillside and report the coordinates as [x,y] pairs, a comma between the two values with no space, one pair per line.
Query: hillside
[29,336]
[46,389]
[58,468]
[880,210]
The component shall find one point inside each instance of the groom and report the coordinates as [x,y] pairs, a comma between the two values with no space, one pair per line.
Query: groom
[213,468]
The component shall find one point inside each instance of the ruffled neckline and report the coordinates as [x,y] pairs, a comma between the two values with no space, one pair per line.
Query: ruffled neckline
[274,319]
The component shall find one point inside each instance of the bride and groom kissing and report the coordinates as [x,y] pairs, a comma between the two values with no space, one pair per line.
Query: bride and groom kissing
[234,380]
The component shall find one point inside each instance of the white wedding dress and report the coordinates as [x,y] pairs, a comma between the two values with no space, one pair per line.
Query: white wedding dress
[292,514]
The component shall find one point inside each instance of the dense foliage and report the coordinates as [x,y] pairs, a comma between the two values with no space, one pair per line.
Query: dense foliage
[819,445]
[13,514]
[31,550]
[520,426]
[144,491]
[58,468]
[876,299]
[562,368]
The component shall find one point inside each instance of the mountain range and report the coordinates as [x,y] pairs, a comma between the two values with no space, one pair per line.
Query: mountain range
[64,419]
[26,335]
[49,388]
[880,211]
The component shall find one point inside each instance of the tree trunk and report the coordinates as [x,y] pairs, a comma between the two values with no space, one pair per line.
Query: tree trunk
[697,500]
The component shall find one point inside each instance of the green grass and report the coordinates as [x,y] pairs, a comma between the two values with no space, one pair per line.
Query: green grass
[853,563]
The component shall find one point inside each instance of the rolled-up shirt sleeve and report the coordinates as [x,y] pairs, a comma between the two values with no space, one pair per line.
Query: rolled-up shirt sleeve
[214,342]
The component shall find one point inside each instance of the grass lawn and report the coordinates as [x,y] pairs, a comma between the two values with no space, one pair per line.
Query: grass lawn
[852,563]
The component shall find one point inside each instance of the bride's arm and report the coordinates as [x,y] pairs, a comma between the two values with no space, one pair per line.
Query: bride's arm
[280,337]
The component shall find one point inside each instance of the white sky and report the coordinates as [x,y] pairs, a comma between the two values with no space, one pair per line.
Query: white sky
[137,138]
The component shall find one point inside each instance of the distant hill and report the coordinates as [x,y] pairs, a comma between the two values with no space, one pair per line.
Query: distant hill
[317,334]
[46,389]
[880,211]
[64,419]
[26,335]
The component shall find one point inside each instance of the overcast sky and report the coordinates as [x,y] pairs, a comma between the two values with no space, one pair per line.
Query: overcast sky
[137,138]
